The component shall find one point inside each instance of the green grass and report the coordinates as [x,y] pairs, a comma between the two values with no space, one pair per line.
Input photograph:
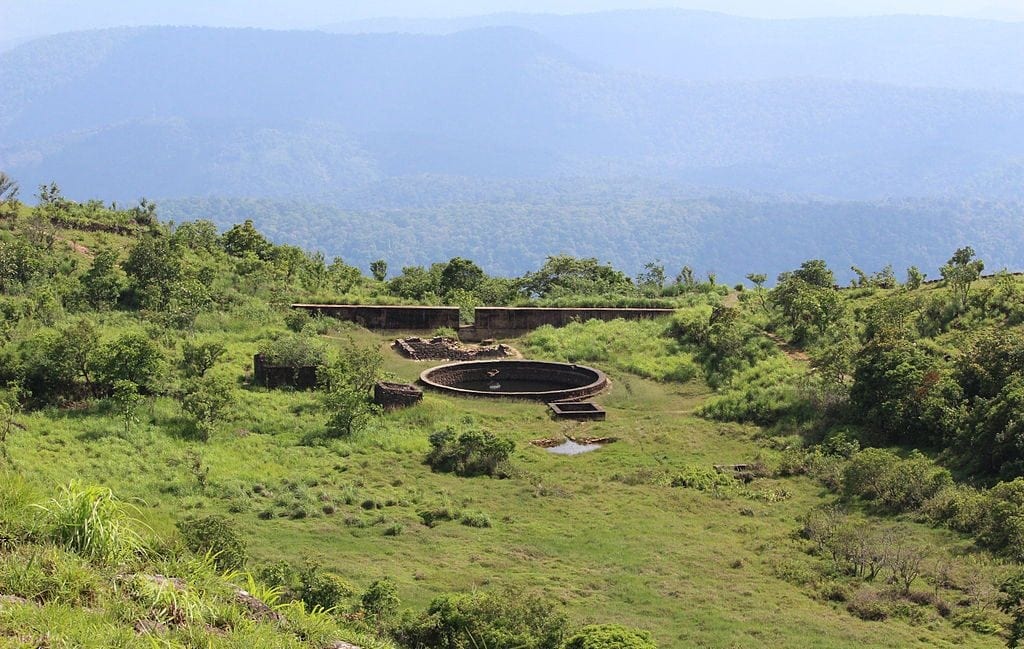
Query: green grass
[603,532]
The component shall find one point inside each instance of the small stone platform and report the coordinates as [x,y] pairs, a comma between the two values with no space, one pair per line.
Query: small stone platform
[577,410]
[396,395]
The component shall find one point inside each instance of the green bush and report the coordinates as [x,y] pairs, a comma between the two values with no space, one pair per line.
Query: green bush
[323,590]
[380,601]
[472,453]
[486,619]
[294,350]
[702,479]
[609,636]
[217,536]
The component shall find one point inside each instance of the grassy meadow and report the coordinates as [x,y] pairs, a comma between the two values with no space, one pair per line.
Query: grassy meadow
[603,533]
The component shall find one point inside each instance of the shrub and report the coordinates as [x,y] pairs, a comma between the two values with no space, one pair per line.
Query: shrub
[475,519]
[297,319]
[89,520]
[294,350]
[610,636]
[217,536]
[206,401]
[380,601]
[323,590]
[702,479]
[470,454]
[486,619]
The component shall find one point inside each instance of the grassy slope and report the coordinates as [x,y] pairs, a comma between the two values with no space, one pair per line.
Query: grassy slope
[682,563]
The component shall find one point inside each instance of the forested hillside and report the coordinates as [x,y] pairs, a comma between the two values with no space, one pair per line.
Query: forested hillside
[511,229]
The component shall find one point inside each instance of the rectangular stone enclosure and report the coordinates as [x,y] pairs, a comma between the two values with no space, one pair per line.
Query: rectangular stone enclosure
[577,410]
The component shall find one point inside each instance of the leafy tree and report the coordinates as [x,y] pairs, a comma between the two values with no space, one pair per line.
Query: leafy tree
[346,387]
[652,279]
[609,636]
[198,236]
[758,280]
[349,408]
[566,275]
[198,357]
[206,402]
[902,395]
[379,270]
[460,275]
[685,277]
[915,278]
[245,239]
[807,299]
[153,266]
[103,282]
[960,272]
[131,357]
[126,399]
[341,276]
[416,282]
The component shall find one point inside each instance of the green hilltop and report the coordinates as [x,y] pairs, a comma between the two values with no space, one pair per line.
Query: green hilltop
[799,466]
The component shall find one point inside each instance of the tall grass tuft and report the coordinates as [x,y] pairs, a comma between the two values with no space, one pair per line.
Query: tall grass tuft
[89,520]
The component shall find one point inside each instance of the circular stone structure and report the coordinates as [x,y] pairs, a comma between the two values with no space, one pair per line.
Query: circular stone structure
[517,379]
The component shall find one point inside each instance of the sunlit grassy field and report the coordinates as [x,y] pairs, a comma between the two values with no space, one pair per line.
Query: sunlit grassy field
[603,532]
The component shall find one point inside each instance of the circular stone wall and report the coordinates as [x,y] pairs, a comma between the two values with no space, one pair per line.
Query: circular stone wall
[537,380]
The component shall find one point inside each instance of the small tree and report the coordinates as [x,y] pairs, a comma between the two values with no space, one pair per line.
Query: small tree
[758,280]
[915,278]
[10,407]
[205,402]
[905,561]
[379,269]
[126,399]
[103,282]
[349,407]
[960,272]
[197,358]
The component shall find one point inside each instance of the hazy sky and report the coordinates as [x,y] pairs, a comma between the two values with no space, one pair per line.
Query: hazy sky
[25,18]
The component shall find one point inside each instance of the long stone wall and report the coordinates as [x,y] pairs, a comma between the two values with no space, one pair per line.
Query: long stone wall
[509,322]
[490,322]
[404,318]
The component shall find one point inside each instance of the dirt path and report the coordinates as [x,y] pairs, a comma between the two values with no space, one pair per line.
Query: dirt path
[794,353]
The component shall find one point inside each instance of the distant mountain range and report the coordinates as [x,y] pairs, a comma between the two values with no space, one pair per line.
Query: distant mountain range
[247,113]
[519,112]
[915,51]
